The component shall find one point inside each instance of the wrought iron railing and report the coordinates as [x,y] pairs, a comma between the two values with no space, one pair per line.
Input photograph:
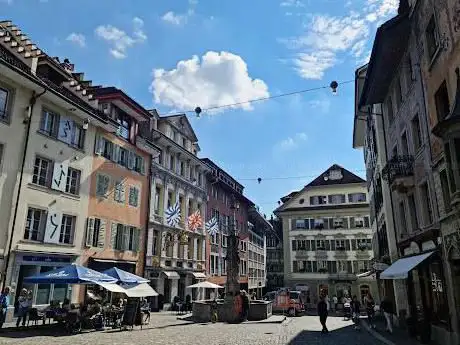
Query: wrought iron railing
[9,57]
[398,166]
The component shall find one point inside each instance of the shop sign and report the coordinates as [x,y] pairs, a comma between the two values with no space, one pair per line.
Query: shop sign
[46,259]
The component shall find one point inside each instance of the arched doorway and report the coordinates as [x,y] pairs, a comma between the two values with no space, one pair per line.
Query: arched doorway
[342,290]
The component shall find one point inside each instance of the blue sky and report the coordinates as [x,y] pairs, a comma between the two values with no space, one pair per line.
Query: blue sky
[177,54]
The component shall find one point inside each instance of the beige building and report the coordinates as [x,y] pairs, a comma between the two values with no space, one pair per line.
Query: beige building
[175,255]
[47,133]
[327,237]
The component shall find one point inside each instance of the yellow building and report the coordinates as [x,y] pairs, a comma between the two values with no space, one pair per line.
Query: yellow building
[327,237]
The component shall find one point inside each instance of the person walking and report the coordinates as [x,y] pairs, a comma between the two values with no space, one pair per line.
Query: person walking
[245,298]
[370,309]
[387,307]
[4,303]
[335,301]
[23,307]
[355,311]
[323,313]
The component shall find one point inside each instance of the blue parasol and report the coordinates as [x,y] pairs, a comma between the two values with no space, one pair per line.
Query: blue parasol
[125,277]
[72,274]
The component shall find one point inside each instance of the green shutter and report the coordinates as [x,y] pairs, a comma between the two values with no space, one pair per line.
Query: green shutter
[89,232]
[113,235]
[101,237]
[122,192]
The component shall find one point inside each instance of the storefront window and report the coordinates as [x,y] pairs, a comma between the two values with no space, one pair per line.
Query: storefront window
[43,290]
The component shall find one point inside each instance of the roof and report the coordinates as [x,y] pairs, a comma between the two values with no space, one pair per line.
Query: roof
[113,92]
[289,196]
[182,123]
[359,123]
[325,178]
[389,47]
[212,164]
[454,115]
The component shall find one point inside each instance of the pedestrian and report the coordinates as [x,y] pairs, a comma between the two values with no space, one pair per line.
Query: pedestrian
[356,311]
[370,309]
[245,298]
[322,313]
[387,307]
[23,308]
[4,303]
[335,301]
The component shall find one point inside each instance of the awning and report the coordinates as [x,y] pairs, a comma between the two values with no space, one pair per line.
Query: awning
[199,275]
[112,287]
[401,268]
[171,274]
[139,290]
[365,274]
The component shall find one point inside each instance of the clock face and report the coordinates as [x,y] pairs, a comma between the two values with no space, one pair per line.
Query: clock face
[335,175]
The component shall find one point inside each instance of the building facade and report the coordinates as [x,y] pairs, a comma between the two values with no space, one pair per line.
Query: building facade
[175,249]
[120,187]
[406,92]
[223,191]
[48,125]
[327,237]
[258,227]
[275,263]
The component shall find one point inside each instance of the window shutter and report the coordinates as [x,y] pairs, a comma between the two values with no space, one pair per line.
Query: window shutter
[142,165]
[122,192]
[89,232]
[131,159]
[113,235]
[101,237]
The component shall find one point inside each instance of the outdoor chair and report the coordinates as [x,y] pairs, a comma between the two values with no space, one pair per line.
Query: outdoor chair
[34,316]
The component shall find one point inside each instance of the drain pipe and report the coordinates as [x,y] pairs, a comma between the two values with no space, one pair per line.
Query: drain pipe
[30,111]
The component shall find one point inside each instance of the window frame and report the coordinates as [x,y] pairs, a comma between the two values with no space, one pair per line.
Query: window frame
[71,235]
[9,99]
[137,190]
[68,185]
[49,172]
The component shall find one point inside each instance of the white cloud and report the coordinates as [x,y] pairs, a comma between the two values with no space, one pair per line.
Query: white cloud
[119,40]
[327,37]
[291,143]
[78,39]
[292,3]
[216,80]
[180,19]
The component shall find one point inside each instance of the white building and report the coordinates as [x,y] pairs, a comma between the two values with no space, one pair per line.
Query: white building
[175,255]
[327,236]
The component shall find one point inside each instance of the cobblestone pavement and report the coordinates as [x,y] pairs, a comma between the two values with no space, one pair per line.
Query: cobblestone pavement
[166,329]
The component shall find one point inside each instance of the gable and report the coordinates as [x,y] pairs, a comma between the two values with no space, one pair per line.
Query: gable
[335,175]
[182,123]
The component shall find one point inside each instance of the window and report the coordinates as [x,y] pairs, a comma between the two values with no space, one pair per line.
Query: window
[124,237]
[170,198]
[4,103]
[156,204]
[389,106]
[441,98]
[73,181]
[432,38]
[124,123]
[336,199]
[122,156]
[35,224]
[78,136]
[182,168]
[340,244]
[107,148]
[184,142]
[42,171]
[224,241]
[139,164]
[413,212]
[119,192]
[445,191]
[171,162]
[318,200]
[95,233]
[402,217]
[416,133]
[404,144]
[356,197]
[49,123]
[300,224]
[67,229]
[427,210]
[102,185]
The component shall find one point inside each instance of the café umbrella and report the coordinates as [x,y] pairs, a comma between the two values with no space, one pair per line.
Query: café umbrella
[124,277]
[72,274]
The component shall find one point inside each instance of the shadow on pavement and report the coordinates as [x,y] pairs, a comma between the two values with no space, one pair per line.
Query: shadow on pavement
[341,336]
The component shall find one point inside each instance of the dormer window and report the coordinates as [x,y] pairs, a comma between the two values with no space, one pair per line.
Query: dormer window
[318,200]
[124,122]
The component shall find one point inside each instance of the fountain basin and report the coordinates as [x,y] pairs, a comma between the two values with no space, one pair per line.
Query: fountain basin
[258,310]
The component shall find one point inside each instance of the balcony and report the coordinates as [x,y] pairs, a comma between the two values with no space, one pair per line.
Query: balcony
[300,254]
[342,276]
[399,173]
[321,253]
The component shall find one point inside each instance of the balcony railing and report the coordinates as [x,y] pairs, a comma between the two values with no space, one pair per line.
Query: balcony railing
[398,167]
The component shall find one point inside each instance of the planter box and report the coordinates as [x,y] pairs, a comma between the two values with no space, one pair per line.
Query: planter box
[259,310]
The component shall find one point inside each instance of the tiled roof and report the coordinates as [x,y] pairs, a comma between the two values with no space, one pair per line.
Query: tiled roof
[324,180]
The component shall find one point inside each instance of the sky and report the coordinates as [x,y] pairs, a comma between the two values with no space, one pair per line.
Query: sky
[175,55]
